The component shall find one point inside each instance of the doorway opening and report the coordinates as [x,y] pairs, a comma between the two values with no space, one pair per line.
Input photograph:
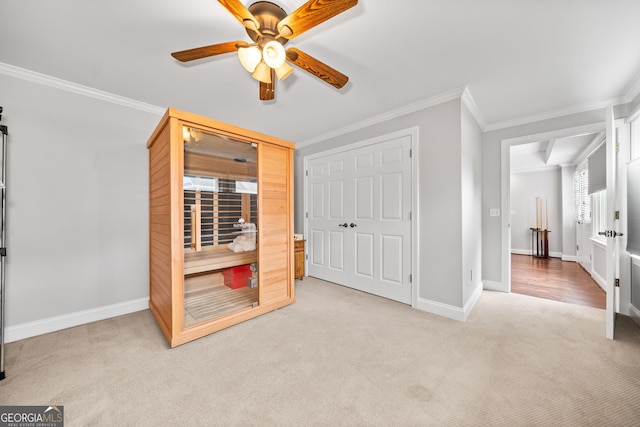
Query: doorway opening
[538,200]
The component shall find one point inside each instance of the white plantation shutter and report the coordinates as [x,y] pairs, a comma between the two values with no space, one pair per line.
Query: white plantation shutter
[581,198]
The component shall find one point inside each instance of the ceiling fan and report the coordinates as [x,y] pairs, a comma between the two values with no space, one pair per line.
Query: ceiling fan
[270,28]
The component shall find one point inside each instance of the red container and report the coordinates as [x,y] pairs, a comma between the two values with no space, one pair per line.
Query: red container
[237,277]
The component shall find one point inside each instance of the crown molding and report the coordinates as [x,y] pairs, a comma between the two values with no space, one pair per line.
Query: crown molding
[531,169]
[567,165]
[554,114]
[54,82]
[629,95]
[633,91]
[398,112]
[473,108]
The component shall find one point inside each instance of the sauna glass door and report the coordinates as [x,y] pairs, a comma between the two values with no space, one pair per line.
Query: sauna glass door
[220,226]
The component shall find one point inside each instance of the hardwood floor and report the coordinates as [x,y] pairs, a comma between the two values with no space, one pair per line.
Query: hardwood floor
[554,279]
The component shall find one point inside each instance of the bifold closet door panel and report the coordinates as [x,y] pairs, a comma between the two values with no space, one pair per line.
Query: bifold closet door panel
[275,228]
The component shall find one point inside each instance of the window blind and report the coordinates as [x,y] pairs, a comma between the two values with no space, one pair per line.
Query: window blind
[211,211]
[581,198]
[598,169]
[633,207]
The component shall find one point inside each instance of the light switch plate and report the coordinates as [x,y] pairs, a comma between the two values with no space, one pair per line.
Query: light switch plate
[494,212]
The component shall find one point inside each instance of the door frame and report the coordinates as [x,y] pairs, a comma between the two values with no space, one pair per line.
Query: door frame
[413,134]
[613,256]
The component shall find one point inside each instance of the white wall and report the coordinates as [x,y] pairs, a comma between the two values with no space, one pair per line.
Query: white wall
[471,206]
[525,187]
[77,220]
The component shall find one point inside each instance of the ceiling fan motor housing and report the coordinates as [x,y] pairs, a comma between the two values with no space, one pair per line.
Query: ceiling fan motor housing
[268,15]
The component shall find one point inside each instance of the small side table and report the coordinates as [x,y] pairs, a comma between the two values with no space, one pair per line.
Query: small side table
[539,242]
[298,259]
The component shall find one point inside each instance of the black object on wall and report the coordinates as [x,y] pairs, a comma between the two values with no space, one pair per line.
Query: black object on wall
[3,248]
[633,207]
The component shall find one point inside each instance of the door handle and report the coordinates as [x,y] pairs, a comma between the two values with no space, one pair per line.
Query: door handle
[345,225]
[353,225]
[610,233]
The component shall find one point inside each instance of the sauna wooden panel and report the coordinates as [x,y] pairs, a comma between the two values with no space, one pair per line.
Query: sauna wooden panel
[276,224]
[208,260]
[160,288]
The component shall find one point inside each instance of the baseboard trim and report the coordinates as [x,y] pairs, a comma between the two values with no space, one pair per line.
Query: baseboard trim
[601,281]
[57,323]
[528,252]
[450,311]
[440,309]
[571,258]
[472,301]
[490,285]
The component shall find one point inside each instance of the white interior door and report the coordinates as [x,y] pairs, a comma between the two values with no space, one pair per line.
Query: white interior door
[358,218]
[613,260]
[326,218]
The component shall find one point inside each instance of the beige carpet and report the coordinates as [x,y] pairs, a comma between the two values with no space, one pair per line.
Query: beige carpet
[342,357]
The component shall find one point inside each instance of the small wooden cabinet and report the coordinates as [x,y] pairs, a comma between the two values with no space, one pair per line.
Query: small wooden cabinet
[221,225]
[299,259]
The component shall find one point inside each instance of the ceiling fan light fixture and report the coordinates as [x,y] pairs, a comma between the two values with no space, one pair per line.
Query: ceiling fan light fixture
[273,54]
[250,57]
[262,73]
[284,71]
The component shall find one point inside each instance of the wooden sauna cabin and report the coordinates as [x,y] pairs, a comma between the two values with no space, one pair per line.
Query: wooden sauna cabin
[221,225]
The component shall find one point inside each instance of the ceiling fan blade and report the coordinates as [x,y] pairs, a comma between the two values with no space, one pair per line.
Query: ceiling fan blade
[310,14]
[241,13]
[267,90]
[205,51]
[317,68]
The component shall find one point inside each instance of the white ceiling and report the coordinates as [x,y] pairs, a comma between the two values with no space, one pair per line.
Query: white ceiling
[540,155]
[519,59]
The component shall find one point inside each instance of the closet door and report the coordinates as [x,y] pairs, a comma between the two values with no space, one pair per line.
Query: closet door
[359,222]
[329,237]
[275,225]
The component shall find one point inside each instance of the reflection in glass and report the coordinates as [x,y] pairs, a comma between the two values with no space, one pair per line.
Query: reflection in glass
[220,226]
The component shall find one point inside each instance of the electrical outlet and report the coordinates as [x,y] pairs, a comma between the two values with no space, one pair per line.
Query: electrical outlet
[494,212]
